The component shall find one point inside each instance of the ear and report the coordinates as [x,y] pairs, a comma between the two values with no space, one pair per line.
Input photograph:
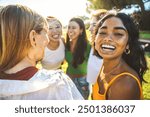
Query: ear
[32,38]
[126,48]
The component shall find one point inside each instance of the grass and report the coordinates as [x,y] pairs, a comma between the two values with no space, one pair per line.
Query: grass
[145,34]
[146,86]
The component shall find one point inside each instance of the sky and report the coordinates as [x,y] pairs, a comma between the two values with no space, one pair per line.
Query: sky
[64,10]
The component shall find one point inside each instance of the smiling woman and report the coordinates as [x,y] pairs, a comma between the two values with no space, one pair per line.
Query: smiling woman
[116,41]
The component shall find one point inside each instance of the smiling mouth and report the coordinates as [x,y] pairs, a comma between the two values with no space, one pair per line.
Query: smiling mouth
[108,47]
[55,36]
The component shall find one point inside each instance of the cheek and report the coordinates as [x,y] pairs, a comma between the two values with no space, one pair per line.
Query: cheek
[49,33]
[46,41]
[60,32]
[124,43]
[97,43]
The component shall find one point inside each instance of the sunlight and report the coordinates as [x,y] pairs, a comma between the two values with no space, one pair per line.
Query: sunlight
[64,10]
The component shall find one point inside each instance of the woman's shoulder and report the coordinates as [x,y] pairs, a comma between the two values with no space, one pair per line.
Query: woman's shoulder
[44,74]
[125,86]
[62,85]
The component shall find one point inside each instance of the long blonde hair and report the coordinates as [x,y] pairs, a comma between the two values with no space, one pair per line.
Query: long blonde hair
[16,23]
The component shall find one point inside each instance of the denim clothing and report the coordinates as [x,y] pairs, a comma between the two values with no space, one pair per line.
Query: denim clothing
[83,86]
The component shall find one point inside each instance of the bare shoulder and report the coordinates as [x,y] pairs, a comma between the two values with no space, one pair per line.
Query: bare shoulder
[125,87]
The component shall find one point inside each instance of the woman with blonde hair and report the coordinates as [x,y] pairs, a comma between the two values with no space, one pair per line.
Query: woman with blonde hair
[55,51]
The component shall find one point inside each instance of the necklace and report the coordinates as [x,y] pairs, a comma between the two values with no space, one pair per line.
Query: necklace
[111,72]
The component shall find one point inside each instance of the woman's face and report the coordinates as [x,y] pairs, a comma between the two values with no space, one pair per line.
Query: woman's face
[74,30]
[111,39]
[55,30]
[92,25]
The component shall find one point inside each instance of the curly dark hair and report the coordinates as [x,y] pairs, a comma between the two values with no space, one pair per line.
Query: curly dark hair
[81,44]
[136,59]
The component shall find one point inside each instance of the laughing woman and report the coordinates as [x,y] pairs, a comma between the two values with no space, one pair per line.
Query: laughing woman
[77,53]
[121,76]
[55,51]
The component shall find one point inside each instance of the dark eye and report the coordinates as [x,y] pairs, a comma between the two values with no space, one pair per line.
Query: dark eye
[118,34]
[50,28]
[57,26]
[102,33]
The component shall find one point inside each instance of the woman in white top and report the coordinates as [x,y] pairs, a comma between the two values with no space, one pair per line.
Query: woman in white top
[55,51]
[94,63]
[23,38]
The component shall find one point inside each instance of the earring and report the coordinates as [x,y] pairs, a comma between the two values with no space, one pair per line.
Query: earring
[127,51]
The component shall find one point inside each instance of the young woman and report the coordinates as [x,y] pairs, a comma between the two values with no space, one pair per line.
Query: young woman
[77,53]
[124,64]
[23,38]
[55,51]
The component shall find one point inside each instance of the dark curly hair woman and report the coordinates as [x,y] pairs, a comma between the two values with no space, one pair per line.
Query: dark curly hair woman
[121,76]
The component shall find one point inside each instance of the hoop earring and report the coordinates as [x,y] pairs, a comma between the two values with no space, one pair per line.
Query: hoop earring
[127,51]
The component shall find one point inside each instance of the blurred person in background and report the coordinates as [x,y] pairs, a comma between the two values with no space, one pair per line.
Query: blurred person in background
[77,53]
[94,62]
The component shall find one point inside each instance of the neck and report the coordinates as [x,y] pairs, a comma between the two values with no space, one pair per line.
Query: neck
[72,45]
[53,45]
[26,62]
[111,66]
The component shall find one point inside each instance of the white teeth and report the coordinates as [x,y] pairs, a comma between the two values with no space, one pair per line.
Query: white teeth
[55,36]
[108,46]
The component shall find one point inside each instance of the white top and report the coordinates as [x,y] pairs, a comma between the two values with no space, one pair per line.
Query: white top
[93,67]
[53,58]
[44,85]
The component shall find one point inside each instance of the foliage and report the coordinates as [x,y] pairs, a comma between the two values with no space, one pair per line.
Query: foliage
[109,4]
[146,86]
[144,35]
[120,4]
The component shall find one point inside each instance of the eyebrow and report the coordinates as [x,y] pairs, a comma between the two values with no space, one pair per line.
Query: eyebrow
[117,28]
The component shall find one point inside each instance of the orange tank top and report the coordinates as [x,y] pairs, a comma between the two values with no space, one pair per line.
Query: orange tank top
[97,96]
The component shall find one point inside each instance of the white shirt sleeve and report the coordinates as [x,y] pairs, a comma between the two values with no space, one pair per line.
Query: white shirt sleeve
[45,85]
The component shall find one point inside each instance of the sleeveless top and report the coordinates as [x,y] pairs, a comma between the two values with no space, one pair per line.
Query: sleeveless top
[53,58]
[93,67]
[97,96]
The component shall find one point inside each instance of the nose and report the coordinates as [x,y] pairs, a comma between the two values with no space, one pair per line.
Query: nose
[54,30]
[91,28]
[69,31]
[108,37]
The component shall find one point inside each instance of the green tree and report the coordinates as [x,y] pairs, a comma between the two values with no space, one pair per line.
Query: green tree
[109,4]
[120,4]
